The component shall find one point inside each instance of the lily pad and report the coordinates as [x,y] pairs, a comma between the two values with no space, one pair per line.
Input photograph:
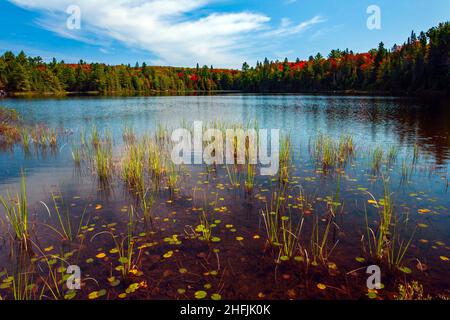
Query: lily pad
[216,296]
[200,294]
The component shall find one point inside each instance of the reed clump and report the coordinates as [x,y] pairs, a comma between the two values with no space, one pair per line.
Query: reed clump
[387,242]
[285,159]
[250,178]
[17,212]
[330,154]
[103,160]
[133,166]
[9,126]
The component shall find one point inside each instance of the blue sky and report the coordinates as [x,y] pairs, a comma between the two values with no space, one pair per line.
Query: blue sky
[223,33]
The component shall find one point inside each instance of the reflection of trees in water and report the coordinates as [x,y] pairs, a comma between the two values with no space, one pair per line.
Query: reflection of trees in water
[428,125]
[425,123]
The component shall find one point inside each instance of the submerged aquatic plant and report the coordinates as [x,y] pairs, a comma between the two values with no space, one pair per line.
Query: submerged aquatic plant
[320,249]
[412,291]
[124,246]
[321,245]
[67,230]
[204,228]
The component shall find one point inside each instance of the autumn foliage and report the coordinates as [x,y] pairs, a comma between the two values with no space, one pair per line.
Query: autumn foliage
[422,63]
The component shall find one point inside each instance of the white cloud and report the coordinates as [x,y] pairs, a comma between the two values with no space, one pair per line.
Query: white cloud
[287,28]
[170,29]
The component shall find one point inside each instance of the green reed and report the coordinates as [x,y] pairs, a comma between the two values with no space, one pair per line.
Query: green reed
[17,213]
[346,148]
[155,162]
[377,159]
[25,140]
[95,137]
[385,221]
[399,246]
[43,139]
[52,138]
[392,154]
[328,153]
[147,201]
[290,236]
[162,136]
[128,135]
[387,242]
[320,250]
[22,278]
[234,175]
[285,159]
[406,171]
[133,166]
[272,217]
[250,178]
[172,176]
[76,156]
[83,137]
[103,162]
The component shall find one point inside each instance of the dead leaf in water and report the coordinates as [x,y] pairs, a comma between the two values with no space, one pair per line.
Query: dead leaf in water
[421,267]
[321,286]
[292,294]
[168,254]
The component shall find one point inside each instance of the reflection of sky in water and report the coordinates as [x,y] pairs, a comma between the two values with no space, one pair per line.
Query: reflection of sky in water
[373,121]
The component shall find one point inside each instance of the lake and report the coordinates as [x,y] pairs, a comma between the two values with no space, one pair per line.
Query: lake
[359,171]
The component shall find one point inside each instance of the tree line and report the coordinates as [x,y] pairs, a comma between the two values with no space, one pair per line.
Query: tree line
[422,63]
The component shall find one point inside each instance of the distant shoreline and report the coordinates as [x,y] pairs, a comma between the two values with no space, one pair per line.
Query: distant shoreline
[30,95]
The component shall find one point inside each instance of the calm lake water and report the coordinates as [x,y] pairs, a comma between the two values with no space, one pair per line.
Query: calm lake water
[373,122]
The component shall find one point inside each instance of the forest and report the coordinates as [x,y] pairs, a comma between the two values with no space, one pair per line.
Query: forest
[420,64]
